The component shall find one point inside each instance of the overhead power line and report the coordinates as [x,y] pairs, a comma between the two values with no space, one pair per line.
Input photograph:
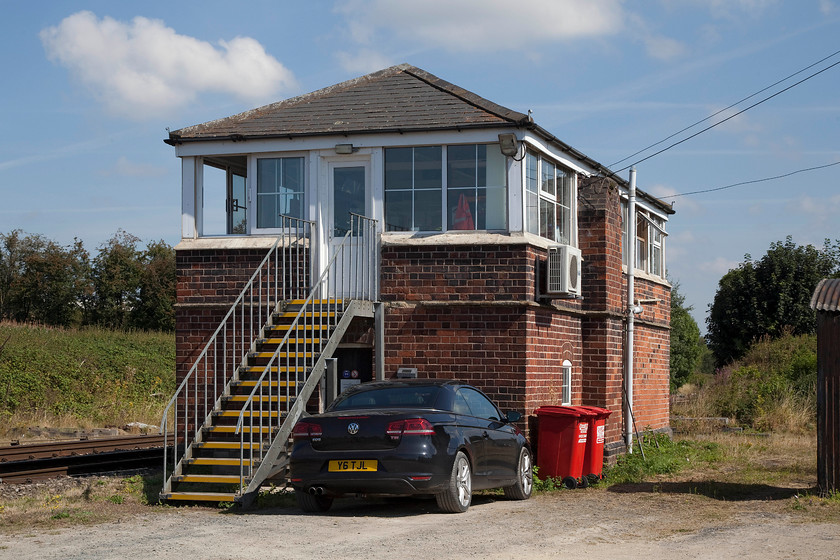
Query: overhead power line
[752,181]
[732,116]
[832,55]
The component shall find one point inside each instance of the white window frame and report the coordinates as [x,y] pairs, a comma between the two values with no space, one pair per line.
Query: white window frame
[566,383]
[550,198]
[251,180]
[650,240]
[445,225]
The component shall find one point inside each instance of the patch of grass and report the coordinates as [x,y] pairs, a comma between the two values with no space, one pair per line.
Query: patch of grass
[83,378]
[547,484]
[662,455]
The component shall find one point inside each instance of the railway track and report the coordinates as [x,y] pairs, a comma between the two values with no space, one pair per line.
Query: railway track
[28,463]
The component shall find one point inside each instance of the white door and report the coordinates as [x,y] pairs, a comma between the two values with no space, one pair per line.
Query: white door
[349,193]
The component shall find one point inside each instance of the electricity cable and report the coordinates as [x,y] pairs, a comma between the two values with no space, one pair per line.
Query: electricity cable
[726,108]
[753,181]
[732,116]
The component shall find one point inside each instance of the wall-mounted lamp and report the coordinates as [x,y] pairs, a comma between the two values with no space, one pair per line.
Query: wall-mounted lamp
[508,144]
[344,149]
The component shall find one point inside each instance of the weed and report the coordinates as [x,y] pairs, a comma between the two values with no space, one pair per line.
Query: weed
[64,514]
[547,484]
[116,499]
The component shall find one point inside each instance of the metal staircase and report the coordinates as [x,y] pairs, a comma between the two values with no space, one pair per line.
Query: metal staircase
[231,425]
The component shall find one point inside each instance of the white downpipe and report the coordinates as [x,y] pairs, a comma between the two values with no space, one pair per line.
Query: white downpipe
[631,310]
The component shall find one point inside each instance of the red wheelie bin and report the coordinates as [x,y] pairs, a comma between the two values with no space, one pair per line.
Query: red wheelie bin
[561,444]
[593,456]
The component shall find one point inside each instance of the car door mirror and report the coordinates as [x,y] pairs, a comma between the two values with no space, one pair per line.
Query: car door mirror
[513,416]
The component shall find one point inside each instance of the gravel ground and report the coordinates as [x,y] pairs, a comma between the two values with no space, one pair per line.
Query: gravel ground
[592,523]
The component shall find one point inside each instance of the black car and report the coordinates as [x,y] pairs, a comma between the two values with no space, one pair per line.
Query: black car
[439,437]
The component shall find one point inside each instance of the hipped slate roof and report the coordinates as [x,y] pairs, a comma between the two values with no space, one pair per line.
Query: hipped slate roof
[827,295]
[398,99]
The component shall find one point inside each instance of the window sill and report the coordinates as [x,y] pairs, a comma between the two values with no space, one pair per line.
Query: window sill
[227,242]
[465,238]
[639,273]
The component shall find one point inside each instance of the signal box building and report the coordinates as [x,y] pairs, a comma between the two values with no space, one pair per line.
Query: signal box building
[397,225]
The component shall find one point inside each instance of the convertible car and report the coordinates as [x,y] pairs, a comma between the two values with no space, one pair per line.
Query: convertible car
[409,437]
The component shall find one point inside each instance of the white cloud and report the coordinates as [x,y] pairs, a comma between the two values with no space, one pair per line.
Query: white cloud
[818,209]
[364,61]
[482,25]
[127,168]
[681,204]
[827,7]
[719,266]
[144,68]
[729,9]
[663,48]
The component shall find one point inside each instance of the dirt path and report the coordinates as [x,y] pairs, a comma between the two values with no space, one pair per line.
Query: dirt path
[592,523]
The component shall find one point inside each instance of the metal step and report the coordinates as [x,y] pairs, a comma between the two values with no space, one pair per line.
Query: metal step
[200,496]
[208,478]
[218,461]
[247,414]
[264,383]
[235,445]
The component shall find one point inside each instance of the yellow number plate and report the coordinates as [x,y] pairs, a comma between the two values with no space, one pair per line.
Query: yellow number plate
[353,465]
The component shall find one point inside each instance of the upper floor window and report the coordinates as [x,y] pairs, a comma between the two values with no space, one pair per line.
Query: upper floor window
[650,241]
[413,187]
[437,188]
[549,191]
[280,190]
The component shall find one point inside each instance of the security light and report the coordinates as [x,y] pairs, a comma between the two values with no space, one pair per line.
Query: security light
[344,149]
[508,144]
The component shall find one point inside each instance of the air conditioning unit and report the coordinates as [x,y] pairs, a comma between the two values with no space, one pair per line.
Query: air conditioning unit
[563,270]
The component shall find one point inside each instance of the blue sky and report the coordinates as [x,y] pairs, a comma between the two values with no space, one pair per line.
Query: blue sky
[90,88]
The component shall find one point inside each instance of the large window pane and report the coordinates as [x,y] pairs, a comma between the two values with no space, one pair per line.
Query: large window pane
[461,166]
[279,190]
[398,212]
[428,168]
[496,209]
[398,168]
[417,174]
[461,205]
[532,212]
[547,219]
[427,210]
[548,177]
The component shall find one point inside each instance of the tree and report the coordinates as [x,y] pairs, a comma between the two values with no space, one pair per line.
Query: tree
[768,297]
[686,343]
[155,307]
[42,281]
[116,281]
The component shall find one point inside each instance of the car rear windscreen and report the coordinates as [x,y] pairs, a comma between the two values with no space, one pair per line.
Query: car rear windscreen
[388,397]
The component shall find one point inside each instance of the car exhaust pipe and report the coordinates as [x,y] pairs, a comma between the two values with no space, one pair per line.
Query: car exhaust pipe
[316,490]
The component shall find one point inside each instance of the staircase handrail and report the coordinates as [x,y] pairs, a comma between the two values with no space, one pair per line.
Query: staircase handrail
[360,227]
[289,224]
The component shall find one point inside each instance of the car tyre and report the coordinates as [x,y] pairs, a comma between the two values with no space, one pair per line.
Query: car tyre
[312,504]
[457,495]
[524,478]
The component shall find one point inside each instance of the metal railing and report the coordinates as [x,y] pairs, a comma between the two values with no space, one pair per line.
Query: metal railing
[284,385]
[282,275]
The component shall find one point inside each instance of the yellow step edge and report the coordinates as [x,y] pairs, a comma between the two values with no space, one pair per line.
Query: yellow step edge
[201,496]
[293,314]
[232,429]
[298,327]
[209,478]
[273,369]
[291,341]
[248,414]
[316,301]
[265,383]
[218,461]
[283,354]
[264,398]
[227,445]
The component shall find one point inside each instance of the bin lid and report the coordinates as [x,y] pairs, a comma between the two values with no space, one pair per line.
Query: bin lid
[574,411]
[602,412]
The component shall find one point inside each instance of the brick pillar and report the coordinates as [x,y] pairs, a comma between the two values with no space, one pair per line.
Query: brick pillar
[599,219]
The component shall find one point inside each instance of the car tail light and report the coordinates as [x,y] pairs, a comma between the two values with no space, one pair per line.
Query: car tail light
[307,430]
[410,427]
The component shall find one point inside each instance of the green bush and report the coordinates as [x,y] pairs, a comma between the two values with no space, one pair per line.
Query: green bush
[662,455]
